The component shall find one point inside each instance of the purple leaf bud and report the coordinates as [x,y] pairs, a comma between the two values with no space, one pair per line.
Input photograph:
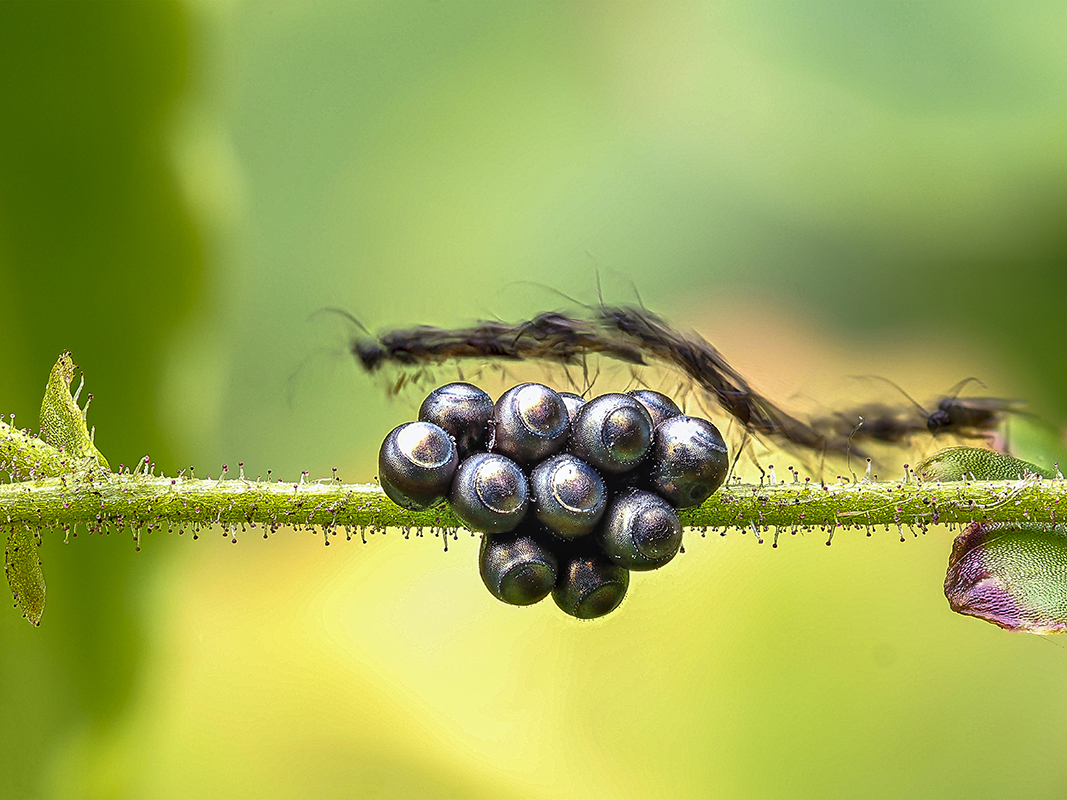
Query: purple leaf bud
[1011,574]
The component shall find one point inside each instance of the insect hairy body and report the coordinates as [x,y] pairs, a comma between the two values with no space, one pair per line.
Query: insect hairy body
[625,334]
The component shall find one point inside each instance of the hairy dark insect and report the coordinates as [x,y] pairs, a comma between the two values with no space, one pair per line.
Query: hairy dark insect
[965,417]
[623,333]
[877,422]
[637,336]
[547,337]
[972,416]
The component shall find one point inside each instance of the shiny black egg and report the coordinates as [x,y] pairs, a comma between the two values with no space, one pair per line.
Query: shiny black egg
[612,433]
[489,494]
[530,422]
[660,407]
[573,402]
[464,411]
[517,568]
[589,585]
[416,465]
[689,461]
[568,495]
[640,530]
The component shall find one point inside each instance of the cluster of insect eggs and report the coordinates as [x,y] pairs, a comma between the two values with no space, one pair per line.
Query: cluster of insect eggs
[570,495]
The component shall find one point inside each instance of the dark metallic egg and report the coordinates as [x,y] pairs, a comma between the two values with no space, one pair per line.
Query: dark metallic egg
[689,461]
[589,585]
[416,465]
[568,495]
[489,493]
[640,530]
[517,568]
[464,411]
[573,402]
[660,407]
[531,422]
[613,433]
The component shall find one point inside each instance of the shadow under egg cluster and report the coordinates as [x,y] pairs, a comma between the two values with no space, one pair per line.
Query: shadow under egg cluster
[570,495]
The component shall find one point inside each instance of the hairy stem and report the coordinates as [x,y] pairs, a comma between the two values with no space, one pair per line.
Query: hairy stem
[97,500]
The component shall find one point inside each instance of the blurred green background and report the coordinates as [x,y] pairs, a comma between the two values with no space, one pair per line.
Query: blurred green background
[821,189]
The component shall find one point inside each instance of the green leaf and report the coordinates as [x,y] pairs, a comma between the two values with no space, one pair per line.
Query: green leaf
[1011,574]
[62,422]
[24,574]
[977,464]
[62,426]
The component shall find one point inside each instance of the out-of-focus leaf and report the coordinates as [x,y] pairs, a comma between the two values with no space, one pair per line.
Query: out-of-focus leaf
[1011,574]
[24,574]
[977,464]
[62,422]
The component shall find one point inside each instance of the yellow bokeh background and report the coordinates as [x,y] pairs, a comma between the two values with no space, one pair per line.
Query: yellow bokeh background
[823,190]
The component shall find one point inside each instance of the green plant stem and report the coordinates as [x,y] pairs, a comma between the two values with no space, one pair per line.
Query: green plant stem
[154,503]
[93,499]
